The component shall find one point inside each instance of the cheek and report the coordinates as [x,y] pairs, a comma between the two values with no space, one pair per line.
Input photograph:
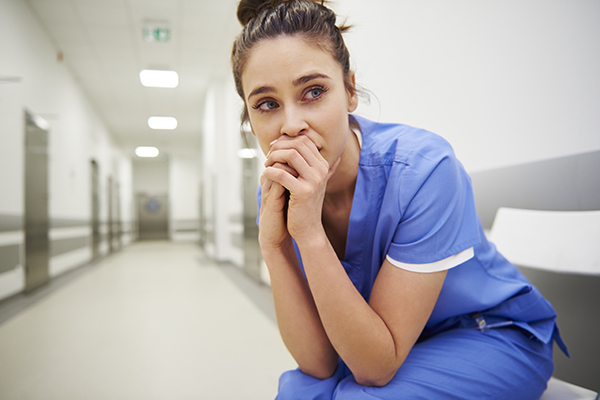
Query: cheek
[263,134]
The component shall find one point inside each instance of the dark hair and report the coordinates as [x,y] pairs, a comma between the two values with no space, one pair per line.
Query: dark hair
[266,19]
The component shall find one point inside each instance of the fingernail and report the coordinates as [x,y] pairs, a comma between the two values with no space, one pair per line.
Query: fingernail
[271,144]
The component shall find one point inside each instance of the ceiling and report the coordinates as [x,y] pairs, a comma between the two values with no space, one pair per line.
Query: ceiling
[102,43]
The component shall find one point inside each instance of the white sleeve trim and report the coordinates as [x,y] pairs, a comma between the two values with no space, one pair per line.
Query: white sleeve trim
[442,265]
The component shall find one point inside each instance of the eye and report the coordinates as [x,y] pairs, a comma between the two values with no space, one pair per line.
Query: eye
[315,93]
[265,106]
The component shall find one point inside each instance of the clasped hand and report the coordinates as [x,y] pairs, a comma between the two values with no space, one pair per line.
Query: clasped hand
[293,188]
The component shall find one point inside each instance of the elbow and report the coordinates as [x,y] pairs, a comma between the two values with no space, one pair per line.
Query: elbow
[378,375]
[374,380]
[318,373]
[322,370]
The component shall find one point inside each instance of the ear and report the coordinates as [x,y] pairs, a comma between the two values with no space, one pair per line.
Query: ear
[352,95]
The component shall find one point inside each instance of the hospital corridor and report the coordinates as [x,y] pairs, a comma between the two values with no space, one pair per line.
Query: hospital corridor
[130,265]
[158,320]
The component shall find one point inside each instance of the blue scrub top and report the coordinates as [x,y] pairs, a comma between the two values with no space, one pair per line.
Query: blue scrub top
[413,202]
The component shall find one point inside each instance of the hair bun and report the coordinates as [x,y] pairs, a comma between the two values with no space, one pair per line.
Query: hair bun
[248,9]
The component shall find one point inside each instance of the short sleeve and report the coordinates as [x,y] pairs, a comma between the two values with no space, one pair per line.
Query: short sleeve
[439,225]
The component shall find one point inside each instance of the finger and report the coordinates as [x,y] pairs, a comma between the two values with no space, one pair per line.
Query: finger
[281,177]
[300,155]
[285,167]
[302,143]
[292,158]
[270,188]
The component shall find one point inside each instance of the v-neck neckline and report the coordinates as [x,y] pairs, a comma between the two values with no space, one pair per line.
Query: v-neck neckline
[352,251]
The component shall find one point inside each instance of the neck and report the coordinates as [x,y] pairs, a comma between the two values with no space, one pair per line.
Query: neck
[340,188]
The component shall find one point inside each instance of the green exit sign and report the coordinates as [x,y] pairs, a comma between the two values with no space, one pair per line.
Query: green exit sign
[154,33]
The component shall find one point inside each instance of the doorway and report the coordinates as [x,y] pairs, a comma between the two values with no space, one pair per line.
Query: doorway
[96,238]
[153,216]
[36,202]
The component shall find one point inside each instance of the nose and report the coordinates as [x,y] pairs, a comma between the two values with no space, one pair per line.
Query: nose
[294,123]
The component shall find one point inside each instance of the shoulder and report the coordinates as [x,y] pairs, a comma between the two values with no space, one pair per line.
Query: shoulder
[390,143]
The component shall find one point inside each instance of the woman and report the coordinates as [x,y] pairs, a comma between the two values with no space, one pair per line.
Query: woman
[384,284]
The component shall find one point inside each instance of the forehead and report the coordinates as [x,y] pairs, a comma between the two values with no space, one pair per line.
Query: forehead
[282,59]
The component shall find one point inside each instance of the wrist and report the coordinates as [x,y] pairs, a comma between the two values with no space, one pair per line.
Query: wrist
[270,250]
[315,241]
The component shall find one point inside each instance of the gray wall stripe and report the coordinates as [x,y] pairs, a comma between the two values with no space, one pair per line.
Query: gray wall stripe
[563,184]
[9,257]
[61,246]
[10,222]
[68,223]
[186,223]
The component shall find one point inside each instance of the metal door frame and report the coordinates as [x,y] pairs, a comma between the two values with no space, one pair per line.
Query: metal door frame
[36,219]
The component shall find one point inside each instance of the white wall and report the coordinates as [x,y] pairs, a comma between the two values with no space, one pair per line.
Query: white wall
[44,86]
[506,82]
[151,175]
[221,173]
[184,197]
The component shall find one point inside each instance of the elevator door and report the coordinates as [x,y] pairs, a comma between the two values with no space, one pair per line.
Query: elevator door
[153,217]
[36,202]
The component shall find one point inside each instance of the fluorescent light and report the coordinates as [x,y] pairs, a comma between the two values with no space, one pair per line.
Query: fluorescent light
[146,151]
[157,78]
[40,122]
[162,123]
[246,153]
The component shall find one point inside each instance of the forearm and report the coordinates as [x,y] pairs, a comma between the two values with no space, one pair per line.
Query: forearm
[356,331]
[297,317]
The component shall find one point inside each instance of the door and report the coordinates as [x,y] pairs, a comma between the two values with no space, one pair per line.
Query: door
[36,202]
[118,224]
[111,228]
[153,217]
[252,255]
[96,238]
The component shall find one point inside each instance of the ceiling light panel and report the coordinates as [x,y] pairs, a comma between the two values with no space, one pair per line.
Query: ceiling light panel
[158,78]
[146,151]
[168,123]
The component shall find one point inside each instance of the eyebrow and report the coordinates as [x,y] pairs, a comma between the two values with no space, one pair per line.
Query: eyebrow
[297,82]
[307,78]
[261,90]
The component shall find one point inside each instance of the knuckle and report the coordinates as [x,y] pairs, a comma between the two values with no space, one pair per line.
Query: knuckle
[280,174]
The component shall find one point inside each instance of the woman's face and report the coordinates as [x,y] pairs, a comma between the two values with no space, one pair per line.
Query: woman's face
[294,88]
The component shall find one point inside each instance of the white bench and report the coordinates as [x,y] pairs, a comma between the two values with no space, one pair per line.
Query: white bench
[559,241]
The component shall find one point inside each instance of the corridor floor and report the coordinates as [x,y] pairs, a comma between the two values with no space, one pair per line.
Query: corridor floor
[156,320]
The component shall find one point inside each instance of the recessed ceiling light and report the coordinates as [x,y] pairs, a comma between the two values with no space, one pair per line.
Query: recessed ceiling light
[162,122]
[158,78]
[146,151]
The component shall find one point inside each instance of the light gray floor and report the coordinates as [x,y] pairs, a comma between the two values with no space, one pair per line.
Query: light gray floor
[154,321]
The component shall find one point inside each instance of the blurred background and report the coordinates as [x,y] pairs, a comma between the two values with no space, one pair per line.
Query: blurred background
[93,157]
